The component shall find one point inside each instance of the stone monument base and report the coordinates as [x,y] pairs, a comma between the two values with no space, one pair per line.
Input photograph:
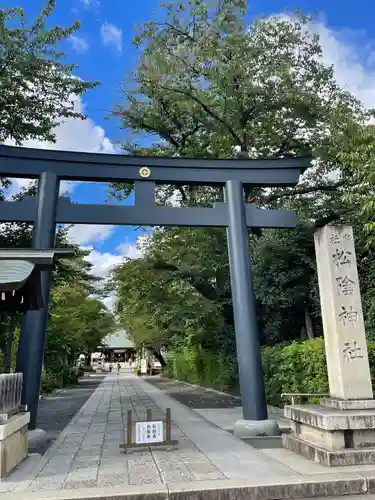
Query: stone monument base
[13,442]
[333,436]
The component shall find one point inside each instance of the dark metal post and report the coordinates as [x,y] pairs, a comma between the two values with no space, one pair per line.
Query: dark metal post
[247,332]
[33,328]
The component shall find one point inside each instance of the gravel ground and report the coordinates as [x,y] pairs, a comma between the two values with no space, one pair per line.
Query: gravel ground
[194,397]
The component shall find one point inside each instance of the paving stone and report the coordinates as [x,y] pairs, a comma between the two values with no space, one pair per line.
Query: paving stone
[79,483]
[52,471]
[108,480]
[177,476]
[77,465]
[88,454]
[144,479]
[7,487]
[44,484]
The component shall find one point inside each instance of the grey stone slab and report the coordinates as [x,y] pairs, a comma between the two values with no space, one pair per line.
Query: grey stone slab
[144,479]
[7,487]
[77,484]
[153,491]
[44,484]
[89,472]
[52,471]
[85,465]
[209,476]
[274,488]
[177,476]
[109,480]
[93,458]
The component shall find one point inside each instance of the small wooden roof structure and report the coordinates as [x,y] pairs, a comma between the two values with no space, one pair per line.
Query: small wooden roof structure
[21,278]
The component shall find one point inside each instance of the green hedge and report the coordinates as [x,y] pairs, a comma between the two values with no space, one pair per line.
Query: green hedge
[52,380]
[295,367]
[197,366]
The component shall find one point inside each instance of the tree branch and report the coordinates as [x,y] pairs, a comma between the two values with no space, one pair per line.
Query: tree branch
[288,193]
[202,286]
[177,30]
[196,281]
[182,192]
[206,108]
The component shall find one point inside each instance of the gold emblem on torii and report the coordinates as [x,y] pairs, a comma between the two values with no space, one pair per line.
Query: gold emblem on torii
[145,172]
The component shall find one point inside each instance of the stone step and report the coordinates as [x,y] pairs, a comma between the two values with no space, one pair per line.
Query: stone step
[352,486]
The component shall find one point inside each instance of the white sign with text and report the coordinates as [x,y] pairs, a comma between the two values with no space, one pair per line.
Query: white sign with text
[149,432]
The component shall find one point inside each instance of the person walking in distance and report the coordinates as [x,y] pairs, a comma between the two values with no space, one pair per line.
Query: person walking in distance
[118,367]
[110,367]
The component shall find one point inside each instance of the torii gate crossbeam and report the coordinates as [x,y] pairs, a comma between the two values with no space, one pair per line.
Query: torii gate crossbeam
[47,209]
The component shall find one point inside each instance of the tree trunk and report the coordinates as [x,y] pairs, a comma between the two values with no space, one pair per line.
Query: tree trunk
[309,325]
[159,357]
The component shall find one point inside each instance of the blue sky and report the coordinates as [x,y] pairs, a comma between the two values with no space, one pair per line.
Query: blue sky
[103,51]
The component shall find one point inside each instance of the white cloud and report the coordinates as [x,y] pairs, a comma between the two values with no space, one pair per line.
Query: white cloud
[79,44]
[102,263]
[351,61]
[128,250]
[71,135]
[91,4]
[19,184]
[110,300]
[111,35]
[75,135]
[82,234]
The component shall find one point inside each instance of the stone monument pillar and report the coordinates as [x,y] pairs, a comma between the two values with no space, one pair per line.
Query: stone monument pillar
[341,430]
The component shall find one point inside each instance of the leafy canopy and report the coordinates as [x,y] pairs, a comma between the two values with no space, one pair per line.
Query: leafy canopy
[37,89]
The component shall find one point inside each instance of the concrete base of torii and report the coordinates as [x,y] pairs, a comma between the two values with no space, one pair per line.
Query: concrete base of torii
[37,440]
[251,428]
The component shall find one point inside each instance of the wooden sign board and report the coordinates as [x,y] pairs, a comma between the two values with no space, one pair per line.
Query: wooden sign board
[148,433]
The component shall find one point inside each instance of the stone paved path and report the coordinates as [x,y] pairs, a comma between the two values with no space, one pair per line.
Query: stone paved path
[87,453]
[57,410]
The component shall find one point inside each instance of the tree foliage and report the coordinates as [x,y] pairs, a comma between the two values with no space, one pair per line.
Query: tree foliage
[210,84]
[77,324]
[37,88]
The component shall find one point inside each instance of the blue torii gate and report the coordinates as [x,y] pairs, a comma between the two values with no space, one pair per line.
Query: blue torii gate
[48,209]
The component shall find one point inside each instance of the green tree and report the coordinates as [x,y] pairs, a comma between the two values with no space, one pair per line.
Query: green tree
[71,272]
[36,86]
[286,284]
[77,325]
[356,150]
[158,310]
[210,84]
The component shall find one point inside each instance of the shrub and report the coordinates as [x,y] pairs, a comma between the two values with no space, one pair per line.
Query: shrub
[50,382]
[304,369]
[66,375]
[198,366]
[298,367]
[271,362]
